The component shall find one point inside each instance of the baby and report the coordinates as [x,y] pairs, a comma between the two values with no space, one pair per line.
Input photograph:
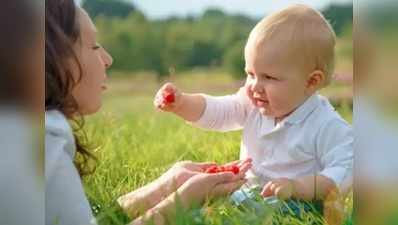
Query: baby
[300,146]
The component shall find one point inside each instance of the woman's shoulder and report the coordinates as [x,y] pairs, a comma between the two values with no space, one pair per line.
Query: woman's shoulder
[59,137]
[72,207]
[56,123]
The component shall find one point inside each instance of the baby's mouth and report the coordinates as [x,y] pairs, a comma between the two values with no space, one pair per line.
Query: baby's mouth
[261,102]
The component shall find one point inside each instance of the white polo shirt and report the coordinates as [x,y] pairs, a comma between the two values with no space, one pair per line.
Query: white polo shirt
[313,140]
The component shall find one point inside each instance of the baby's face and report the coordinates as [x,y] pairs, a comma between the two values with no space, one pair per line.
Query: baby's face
[274,83]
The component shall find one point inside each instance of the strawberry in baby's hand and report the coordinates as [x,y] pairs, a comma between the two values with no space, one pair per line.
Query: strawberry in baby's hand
[219,169]
[168,98]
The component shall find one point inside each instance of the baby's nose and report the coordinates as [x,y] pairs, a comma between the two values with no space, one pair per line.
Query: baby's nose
[256,87]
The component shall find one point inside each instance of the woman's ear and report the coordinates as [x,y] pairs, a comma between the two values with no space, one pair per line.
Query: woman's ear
[315,81]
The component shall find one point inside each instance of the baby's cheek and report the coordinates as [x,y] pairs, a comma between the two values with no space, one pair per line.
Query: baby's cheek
[249,93]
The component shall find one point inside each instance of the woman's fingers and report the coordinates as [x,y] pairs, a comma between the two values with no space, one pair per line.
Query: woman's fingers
[222,177]
[227,188]
[205,165]
[243,170]
[233,163]
[239,163]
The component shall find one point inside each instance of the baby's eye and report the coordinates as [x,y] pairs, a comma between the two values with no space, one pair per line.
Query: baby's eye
[251,76]
[269,77]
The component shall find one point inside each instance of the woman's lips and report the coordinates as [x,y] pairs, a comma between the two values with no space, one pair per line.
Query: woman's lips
[104,87]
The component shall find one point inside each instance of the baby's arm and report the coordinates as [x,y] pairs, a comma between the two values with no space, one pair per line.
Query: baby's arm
[223,113]
[188,106]
[305,188]
[192,107]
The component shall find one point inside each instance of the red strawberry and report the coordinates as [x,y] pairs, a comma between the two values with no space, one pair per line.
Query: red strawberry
[169,98]
[220,169]
[212,169]
[234,169]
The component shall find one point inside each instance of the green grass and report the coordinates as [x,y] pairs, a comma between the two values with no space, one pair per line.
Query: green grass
[137,144]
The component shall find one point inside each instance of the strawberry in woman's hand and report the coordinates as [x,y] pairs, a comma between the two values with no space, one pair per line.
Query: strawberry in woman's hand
[219,169]
[212,169]
[235,169]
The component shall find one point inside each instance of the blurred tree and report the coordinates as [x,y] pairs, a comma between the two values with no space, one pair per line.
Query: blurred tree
[234,60]
[176,44]
[339,16]
[109,8]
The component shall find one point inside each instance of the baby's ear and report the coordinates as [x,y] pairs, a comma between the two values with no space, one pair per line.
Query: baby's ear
[315,80]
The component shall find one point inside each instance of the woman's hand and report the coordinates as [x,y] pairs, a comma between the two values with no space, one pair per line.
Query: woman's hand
[192,192]
[203,186]
[148,196]
[184,170]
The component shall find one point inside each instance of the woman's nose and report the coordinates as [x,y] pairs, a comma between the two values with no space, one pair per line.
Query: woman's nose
[108,60]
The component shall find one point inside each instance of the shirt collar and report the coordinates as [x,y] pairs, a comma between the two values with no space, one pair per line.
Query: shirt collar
[304,110]
[57,125]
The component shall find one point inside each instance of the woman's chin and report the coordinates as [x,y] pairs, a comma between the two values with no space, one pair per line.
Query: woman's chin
[92,109]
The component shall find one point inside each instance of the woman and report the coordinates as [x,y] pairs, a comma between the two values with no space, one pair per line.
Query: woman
[75,78]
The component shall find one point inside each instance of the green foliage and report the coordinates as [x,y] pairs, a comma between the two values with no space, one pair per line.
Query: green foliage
[339,16]
[174,45]
[109,8]
[234,60]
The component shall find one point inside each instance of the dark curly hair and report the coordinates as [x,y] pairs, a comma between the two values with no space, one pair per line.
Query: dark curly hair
[62,32]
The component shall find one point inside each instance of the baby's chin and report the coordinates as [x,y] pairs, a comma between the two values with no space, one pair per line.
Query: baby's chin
[265,112]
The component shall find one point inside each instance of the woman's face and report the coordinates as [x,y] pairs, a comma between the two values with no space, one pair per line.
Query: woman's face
[94,61]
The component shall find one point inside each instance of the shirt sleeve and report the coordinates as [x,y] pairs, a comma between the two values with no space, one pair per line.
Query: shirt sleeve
[225,113]
[66,202]
[335,149]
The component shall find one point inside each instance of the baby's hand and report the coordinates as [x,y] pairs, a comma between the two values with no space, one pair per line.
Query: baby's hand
[283,188]
[168,98]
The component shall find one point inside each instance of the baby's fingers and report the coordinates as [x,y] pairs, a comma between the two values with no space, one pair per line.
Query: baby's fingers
[267,192]
[169,88]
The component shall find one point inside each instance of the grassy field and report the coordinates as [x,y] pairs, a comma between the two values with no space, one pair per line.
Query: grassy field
[137,144]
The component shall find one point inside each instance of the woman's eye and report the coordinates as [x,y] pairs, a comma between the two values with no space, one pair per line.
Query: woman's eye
[96,47]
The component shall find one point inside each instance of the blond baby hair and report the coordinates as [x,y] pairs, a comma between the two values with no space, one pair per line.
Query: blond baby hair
[304,33]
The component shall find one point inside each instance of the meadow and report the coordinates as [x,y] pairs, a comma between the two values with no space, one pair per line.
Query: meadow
[136,144]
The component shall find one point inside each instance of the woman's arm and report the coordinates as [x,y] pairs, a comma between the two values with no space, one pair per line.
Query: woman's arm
[144,198]
[194,191]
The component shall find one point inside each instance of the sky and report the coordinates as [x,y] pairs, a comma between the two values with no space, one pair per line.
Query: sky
[158,9]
